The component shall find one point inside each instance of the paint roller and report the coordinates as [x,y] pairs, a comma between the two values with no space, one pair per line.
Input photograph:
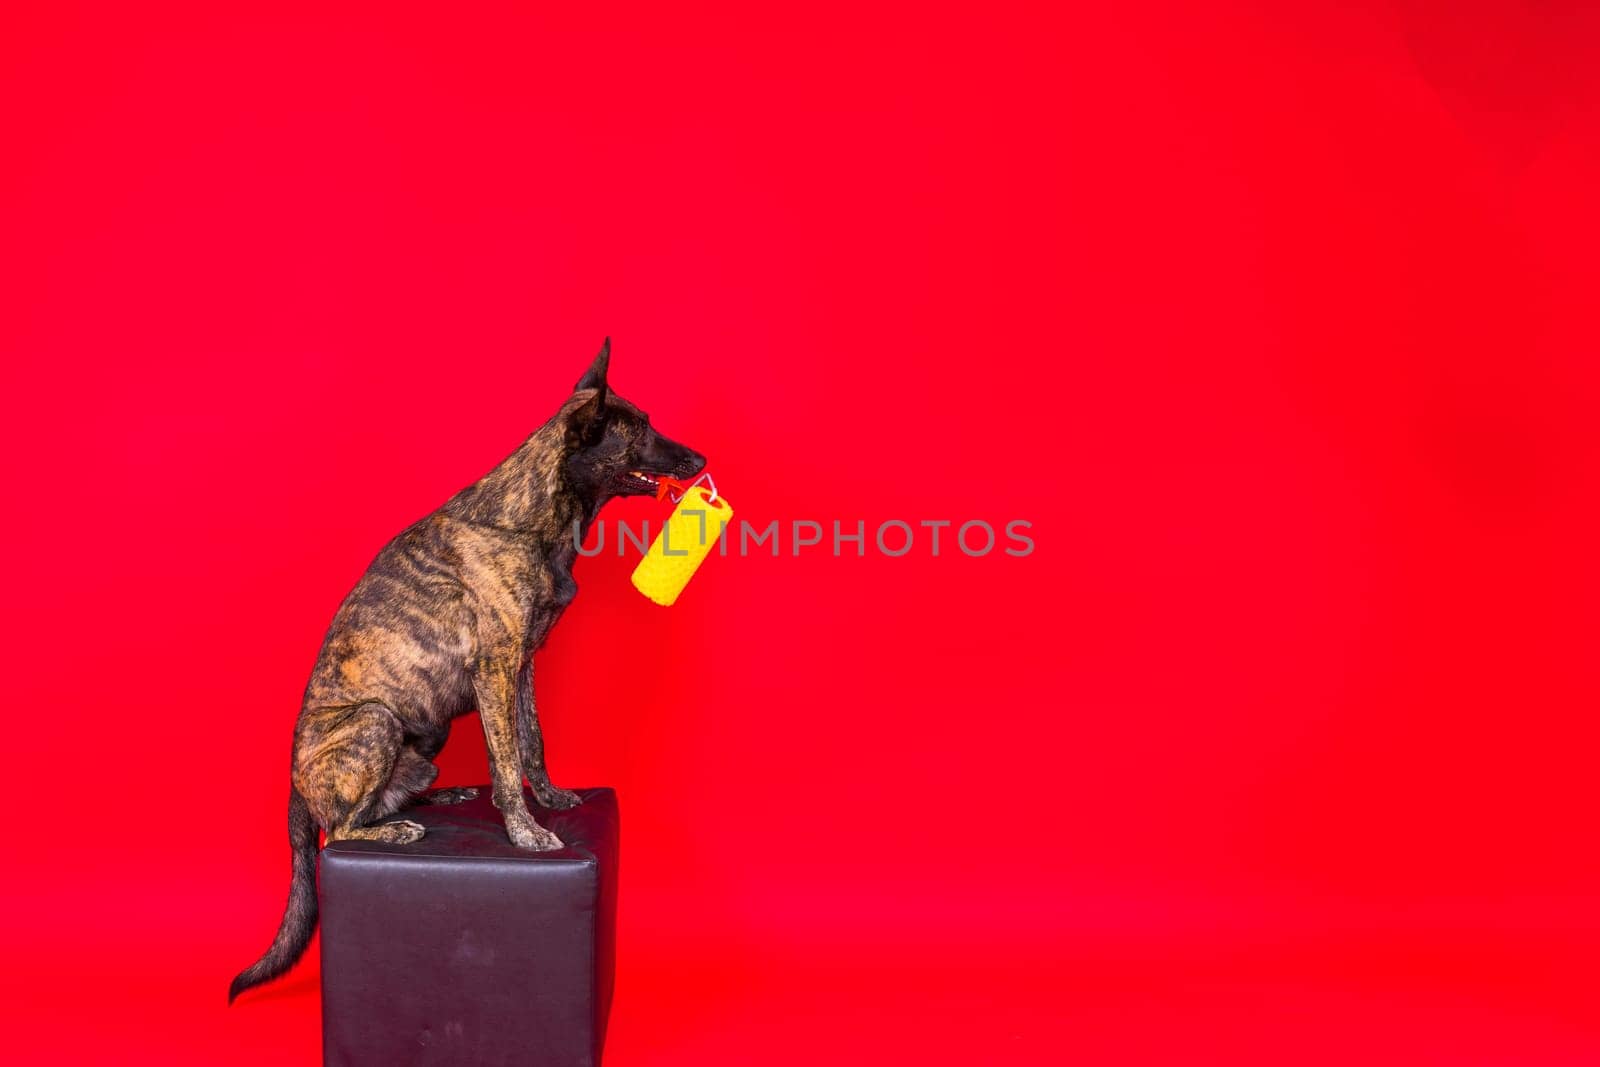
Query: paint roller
[694,526]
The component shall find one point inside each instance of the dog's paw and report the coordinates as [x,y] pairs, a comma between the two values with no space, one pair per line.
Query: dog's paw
[555,799]
[535,837]
[453,795]
[404,832]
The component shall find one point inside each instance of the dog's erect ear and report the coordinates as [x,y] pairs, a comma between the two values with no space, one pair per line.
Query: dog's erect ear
[588,420]
[595,376]
[586,423]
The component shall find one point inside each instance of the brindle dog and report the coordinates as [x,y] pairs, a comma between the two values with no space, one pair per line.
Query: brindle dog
[445,620]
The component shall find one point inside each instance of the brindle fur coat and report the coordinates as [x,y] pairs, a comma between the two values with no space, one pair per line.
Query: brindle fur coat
[445,620]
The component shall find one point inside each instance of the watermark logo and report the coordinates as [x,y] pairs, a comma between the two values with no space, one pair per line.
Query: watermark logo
[892,537]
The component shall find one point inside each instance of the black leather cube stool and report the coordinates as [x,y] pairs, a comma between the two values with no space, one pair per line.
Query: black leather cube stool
[463,949]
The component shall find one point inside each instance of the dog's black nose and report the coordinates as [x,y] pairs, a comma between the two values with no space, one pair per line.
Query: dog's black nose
[693,463]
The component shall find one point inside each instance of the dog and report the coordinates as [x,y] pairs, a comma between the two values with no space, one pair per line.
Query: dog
[445,620]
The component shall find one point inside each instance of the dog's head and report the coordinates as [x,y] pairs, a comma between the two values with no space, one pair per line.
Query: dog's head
[612,450]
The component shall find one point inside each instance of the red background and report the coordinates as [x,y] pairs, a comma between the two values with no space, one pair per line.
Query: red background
[1277,326]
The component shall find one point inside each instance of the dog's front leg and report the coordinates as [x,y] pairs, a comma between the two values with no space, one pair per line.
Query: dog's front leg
[530,739]
[495,683]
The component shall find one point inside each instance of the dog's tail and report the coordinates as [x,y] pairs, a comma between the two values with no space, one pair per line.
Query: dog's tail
[300,914]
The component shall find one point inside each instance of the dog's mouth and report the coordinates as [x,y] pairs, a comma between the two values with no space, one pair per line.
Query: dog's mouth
[640,481]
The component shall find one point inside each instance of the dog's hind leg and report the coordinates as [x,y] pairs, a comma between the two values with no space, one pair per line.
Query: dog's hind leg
[454,794]
[345,760]
[423,748]
[413,773]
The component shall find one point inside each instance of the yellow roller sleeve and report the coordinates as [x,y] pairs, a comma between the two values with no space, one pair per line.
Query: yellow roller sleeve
[683,544]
